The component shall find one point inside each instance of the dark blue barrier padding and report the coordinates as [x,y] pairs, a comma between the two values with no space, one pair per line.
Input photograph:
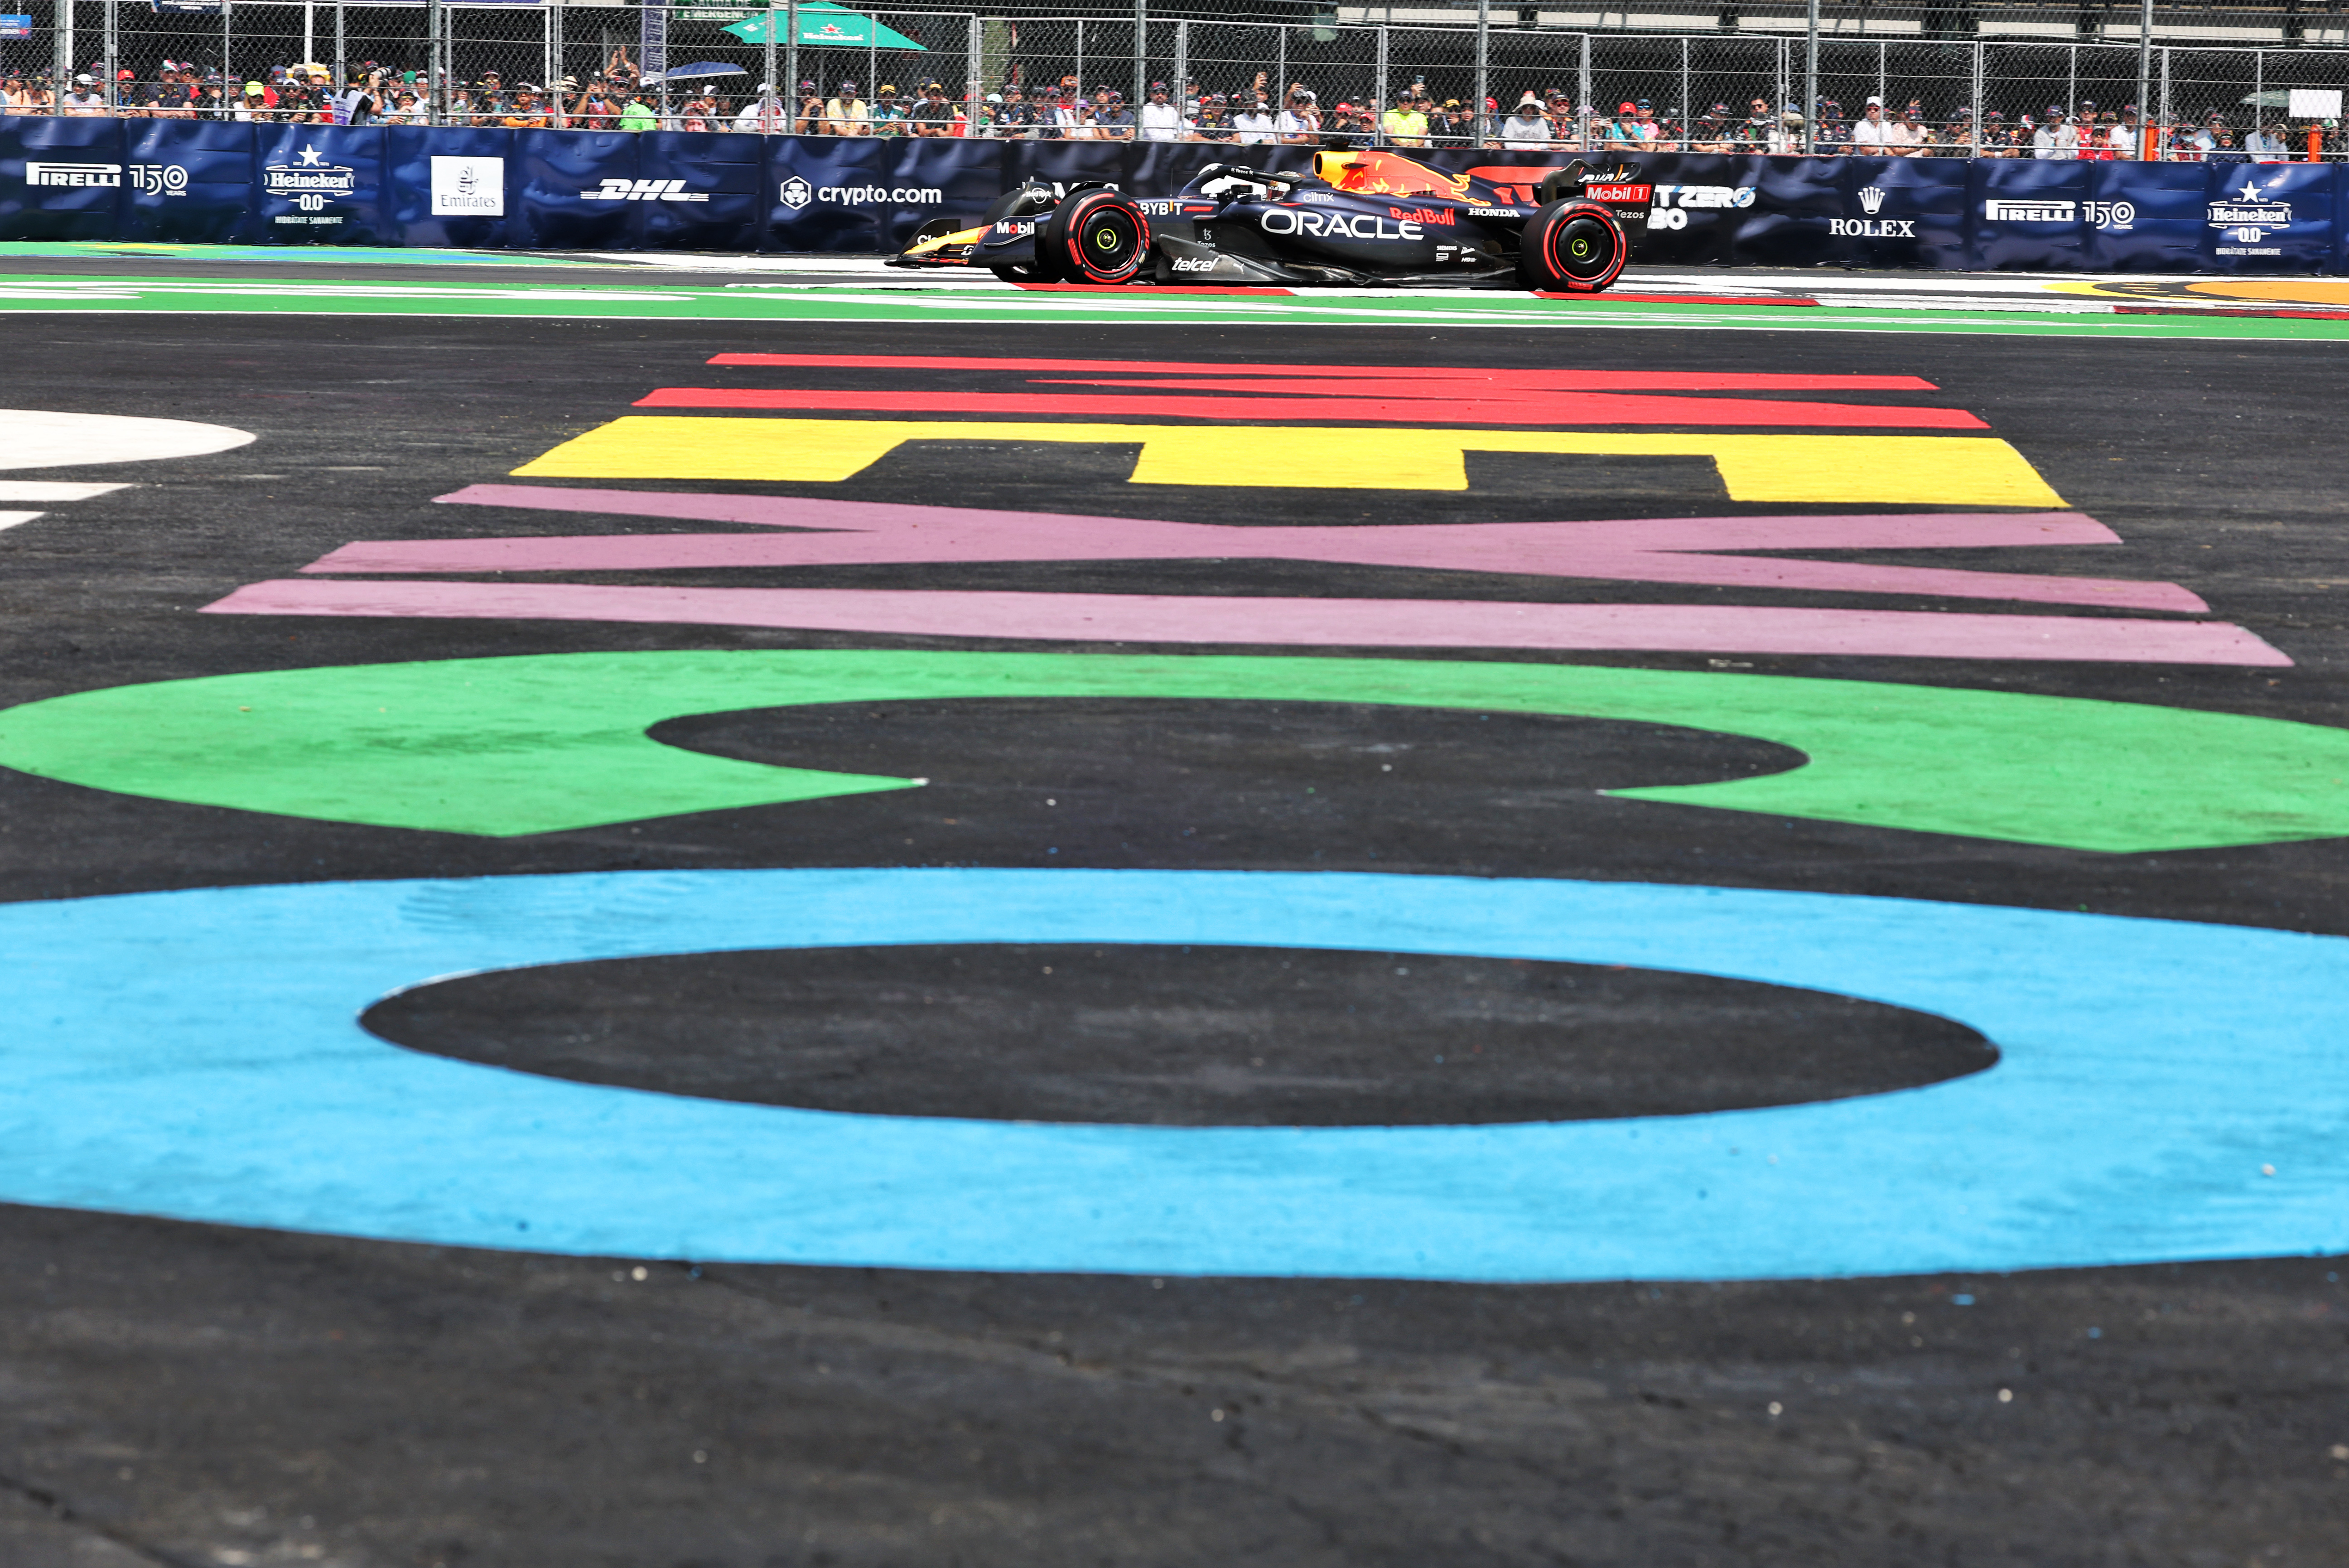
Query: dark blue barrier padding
[709,190]
[186,182]
[96,179]
[466,198]
[59,178]
[834,193]
[2025,213]
[557,183]
[2145,217]
[319,184]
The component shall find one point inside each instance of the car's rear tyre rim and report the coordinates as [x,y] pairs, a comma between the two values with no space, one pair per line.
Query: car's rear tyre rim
[1107,241]
[1582,250]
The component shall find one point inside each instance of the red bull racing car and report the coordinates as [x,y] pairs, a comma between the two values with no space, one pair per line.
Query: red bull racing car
[1356,217]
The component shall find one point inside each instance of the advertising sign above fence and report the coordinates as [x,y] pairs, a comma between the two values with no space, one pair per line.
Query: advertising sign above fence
[407,185]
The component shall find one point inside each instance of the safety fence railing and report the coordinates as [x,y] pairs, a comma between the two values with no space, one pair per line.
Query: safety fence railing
[1982,81]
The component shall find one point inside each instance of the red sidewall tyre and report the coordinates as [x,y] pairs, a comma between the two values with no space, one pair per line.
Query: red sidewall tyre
[1574,247]
[1096,236]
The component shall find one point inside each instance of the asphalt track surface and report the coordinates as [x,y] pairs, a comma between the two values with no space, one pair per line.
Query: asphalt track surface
[184,1392]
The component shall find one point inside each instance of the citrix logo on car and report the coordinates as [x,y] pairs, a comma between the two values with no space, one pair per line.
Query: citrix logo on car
[1338,225]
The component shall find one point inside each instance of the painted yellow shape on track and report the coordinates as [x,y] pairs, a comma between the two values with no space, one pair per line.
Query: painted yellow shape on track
[1891,470]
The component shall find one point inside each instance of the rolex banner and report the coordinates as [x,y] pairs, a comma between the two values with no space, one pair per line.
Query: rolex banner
[202,182]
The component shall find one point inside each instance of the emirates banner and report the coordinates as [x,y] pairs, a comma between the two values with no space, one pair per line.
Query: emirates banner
[224,183]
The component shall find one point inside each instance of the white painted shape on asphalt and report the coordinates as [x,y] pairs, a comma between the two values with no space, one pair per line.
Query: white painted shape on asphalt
[43,438]
[10,519]
[52,490]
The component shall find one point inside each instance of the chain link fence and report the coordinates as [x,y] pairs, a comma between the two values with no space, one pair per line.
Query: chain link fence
[1982,78]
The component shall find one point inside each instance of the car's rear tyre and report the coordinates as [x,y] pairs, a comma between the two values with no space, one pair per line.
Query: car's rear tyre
[1095,236]
[1571,247]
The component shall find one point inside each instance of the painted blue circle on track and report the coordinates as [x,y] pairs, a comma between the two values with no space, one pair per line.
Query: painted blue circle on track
[196,1055]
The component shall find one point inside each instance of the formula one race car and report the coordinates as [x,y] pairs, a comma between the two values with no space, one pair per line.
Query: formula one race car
[1358,217]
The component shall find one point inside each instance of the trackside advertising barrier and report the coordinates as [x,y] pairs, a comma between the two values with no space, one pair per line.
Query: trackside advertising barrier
[196,181]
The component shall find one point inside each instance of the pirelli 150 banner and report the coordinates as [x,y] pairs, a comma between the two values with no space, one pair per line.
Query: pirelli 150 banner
[286,184]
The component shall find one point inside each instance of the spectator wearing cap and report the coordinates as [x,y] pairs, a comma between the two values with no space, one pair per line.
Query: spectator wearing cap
[892,111]
[1160,118]
[1404,125]
[1300,122]
[1112,122]
[85,99]
[2266,144]
[2055,136]
[1871,134]
[933,116]
[1253,122]
[807,120]
[845,114]
[1015,118]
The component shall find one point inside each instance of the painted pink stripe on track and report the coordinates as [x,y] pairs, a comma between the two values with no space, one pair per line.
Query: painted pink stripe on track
[1300,622]
[1657,550]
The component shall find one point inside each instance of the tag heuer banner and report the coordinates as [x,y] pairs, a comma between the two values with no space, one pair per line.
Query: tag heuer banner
[205,181]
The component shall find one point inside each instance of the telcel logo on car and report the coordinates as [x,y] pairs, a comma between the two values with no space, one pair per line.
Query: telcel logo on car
[1338,225]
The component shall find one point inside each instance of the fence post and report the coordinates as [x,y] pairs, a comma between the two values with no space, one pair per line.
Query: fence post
[1181,80]
[785,92]
[436,82]
[1280,75]
[1981,84]
[792,62]
[1684,86]
[2144,76]
[555,41]
[2165,104]
[974,91]
[1881,75]
[1582,92]
[230,81]
[342,72]
[1141,55]
[1379,93]
[63,43]
[1811,81]
[113,44]
[1481,126]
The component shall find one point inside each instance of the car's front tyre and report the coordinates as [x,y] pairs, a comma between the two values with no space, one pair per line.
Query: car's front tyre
[1095,236]
[1571,247]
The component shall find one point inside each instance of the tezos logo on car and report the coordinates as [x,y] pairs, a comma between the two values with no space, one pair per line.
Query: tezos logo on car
[1338,225]
[1871,202]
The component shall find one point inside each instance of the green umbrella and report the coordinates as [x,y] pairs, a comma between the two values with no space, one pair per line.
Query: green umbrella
[824,25]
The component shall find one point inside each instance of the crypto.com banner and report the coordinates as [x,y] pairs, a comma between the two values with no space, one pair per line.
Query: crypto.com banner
[277,184]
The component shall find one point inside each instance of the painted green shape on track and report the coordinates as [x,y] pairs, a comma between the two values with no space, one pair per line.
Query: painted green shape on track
[546,743]
[653,301]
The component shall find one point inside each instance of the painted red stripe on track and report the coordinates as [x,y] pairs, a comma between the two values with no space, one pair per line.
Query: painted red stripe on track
[1552,380]
[1548,409]
[1293,622]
